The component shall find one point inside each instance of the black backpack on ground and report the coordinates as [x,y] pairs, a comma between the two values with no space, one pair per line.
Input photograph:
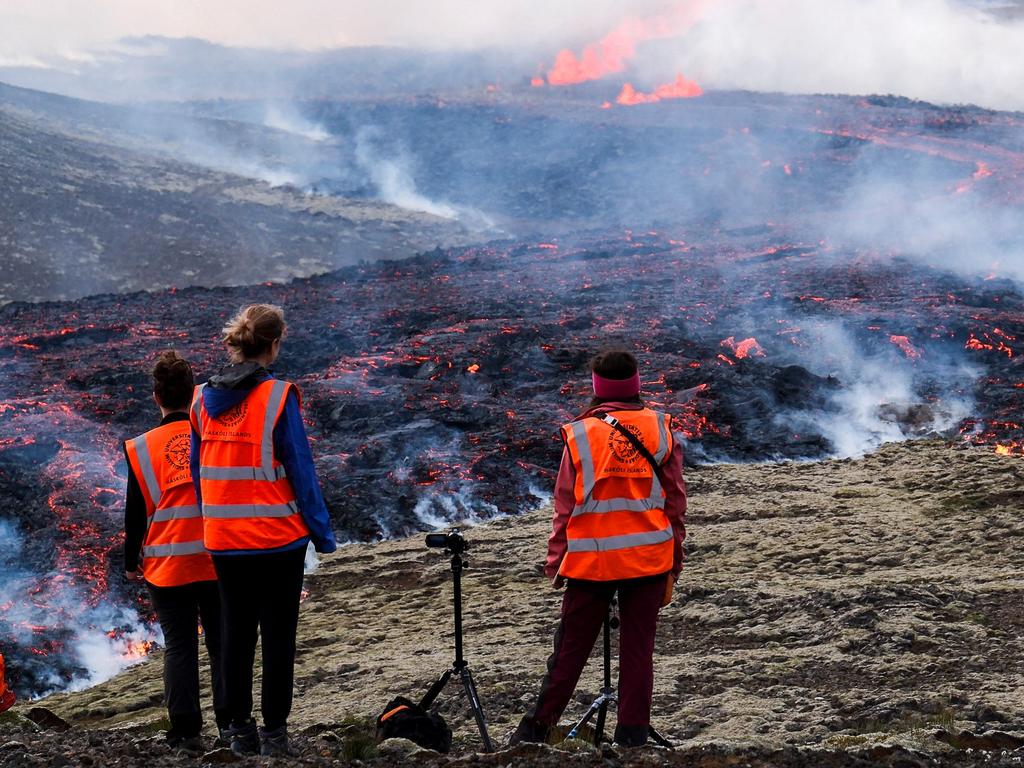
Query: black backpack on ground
[404,719]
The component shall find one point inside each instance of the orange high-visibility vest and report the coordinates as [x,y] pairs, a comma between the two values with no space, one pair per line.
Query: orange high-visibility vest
[172,550]
[6,694]
[618,528]
[248,501]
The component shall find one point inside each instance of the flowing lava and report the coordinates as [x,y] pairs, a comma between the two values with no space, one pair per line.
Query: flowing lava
[904,344]
[746,348]
[615,50]
[681,88]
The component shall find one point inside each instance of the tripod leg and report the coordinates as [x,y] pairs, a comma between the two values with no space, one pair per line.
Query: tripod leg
[474,703]
[594,707]
[658,739]
[434,690]
[602,714]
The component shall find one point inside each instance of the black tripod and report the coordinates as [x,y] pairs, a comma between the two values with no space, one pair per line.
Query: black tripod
[608,694]
[460,666]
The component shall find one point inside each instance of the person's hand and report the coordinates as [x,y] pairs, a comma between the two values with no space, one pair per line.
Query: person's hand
[135,575]
[558,582]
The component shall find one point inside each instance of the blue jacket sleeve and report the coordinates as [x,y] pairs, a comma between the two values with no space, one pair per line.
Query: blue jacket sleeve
[193,465]
[292,448]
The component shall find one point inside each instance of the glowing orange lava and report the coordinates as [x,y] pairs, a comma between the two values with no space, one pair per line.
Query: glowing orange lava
[903,342]
[613,52]
[681,88]
[745,348]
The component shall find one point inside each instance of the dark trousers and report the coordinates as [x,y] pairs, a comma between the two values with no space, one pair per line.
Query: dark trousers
[180,610]
[584,607]
[260,597]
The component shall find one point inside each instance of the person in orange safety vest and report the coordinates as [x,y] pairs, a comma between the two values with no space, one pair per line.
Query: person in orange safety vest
[620,503]
[261,502]
[164,547]
[6,694]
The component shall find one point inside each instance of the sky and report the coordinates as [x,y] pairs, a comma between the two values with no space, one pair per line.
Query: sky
[33,29]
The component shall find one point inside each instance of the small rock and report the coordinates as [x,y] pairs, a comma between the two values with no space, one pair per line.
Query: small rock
[397,748]
[11,746]
[48,720]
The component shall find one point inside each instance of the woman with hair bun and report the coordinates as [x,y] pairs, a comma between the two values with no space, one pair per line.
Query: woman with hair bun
[261,501]
[620,502]
[163,525]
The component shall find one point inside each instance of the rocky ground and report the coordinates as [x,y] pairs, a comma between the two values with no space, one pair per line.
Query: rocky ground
[844,613]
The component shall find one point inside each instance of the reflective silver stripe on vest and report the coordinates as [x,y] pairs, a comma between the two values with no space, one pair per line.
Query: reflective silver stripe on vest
[146,464]
[197,402]
[240,473]
[174,549]
[625,541]
[175,513]
[579,431]
[250,510]
[663,443]
[594,506]
[277,395]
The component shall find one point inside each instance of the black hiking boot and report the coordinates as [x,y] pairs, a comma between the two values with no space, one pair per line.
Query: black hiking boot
[186,743]
[245,739]
[631,735]
[274,743]
[529,732]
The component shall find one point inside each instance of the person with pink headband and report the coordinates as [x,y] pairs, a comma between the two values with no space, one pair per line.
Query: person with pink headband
[618,528]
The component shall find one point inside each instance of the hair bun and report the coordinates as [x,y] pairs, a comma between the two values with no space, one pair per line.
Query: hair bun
[253,330]
[173,380]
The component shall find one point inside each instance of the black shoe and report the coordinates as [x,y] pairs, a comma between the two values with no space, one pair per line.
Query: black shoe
[245,739]
[274,743]
[187,743]
[223,738]
[631,735]
[529,731]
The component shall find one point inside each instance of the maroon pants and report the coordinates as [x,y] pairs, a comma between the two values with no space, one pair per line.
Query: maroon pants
[584,607]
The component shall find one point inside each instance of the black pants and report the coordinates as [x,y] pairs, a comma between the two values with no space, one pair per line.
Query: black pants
[180,609]
[260,594]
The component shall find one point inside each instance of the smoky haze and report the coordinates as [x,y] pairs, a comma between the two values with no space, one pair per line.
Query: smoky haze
[944,51]
[934,50]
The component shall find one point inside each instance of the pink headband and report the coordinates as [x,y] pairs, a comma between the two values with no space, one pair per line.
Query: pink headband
[617,389]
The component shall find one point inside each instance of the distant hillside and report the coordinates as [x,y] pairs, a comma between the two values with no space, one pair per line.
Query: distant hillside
[85,208]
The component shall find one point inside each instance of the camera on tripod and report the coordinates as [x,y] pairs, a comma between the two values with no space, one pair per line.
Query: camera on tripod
[453,542]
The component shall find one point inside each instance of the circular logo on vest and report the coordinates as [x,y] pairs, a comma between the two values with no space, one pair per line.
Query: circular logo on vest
[233,415]
[176,452]
[622,449]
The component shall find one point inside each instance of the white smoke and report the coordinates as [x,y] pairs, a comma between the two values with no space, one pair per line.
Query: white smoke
[283,117]
[392,177]
[880,399]
[967,232]
[937,50]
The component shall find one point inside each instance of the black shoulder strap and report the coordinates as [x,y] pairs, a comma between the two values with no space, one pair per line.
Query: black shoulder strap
[614,423]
